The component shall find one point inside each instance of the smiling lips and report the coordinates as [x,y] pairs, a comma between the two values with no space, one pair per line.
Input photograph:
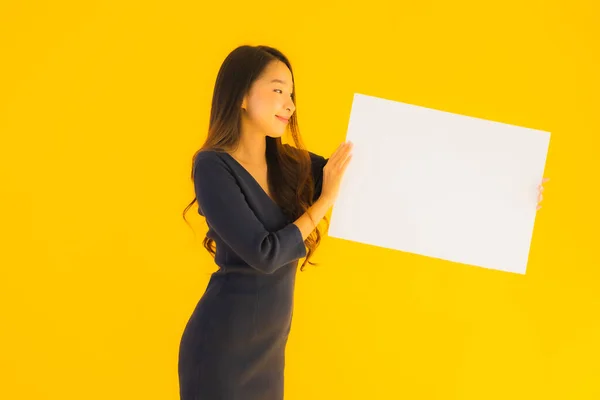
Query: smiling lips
[282,119]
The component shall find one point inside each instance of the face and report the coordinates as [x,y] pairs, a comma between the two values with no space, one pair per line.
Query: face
[268,105]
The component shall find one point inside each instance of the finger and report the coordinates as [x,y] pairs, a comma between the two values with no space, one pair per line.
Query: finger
[342,154]
[538,207]
[336,152]
[346,152]
[545,180]
[333,157]
[345,164]
[345,149]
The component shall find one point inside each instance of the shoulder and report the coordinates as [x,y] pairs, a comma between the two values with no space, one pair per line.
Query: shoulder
[316,159]
[213,168]
[209,161]
[318,162]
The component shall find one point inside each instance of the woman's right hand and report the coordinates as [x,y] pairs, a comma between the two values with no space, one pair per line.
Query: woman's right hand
[334,170]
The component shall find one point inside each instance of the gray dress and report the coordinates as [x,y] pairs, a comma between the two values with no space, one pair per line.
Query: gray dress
[233,345]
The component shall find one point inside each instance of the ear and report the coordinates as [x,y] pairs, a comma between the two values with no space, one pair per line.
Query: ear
[244,103]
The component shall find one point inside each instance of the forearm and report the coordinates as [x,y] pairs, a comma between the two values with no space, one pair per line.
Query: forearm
[311,218]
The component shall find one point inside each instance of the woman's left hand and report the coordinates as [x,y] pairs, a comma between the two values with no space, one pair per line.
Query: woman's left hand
[540,190]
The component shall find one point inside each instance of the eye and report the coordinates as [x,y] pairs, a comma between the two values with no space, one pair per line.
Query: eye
[280,91]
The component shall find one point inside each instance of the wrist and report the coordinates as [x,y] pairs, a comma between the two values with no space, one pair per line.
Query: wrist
[326,200]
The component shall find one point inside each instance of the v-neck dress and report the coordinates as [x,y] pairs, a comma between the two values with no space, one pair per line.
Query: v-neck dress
[233,345]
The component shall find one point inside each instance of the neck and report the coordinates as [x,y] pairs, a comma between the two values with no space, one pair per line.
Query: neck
[252,147]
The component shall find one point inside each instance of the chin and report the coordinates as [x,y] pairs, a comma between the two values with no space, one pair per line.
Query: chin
[276,134]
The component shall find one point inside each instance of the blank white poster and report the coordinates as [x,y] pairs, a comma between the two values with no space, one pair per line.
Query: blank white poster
[439,184]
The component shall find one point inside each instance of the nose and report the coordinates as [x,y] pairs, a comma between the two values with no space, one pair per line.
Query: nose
[291,107]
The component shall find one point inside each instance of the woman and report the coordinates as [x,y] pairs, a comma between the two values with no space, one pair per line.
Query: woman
[262,201]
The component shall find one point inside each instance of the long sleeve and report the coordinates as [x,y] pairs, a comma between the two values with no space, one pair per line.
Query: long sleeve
[318,163]
[224,206]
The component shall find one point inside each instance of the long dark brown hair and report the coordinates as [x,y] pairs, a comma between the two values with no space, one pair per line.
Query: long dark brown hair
[289,167]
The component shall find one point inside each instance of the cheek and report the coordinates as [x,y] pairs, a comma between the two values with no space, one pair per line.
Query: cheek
[266,108]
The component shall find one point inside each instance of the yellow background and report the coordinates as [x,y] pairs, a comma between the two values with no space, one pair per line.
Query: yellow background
[102,105]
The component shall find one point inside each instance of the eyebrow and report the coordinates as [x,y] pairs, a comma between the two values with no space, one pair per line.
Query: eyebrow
[278,81]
